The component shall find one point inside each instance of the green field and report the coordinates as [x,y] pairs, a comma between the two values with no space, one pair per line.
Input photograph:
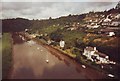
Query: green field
[6,54]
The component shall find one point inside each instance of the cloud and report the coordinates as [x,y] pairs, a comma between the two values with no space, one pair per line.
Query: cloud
[59,0]
[41,10]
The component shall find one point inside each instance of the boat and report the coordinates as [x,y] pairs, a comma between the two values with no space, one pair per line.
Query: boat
[83,66]
[47,61]
[111,75]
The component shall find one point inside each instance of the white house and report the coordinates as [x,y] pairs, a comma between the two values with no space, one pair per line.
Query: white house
[89,52]
[49,42]
[96,26]
[95,56]
[115,23]
[111,34]
[93,26]
[117,16]
[62,44]
[106,21]
[26,30]
[34,35]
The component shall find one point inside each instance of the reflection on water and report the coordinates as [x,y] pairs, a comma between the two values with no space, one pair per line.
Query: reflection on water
[30,63]
[66,62]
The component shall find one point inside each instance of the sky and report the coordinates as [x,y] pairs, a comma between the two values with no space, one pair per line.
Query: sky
[43,9]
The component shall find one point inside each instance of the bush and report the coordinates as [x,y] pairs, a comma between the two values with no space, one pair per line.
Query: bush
[54,43]
[56,36]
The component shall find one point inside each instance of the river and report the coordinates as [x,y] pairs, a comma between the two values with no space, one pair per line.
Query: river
[30,62]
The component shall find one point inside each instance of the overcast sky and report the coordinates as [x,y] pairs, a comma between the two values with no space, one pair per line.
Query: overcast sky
[42,9]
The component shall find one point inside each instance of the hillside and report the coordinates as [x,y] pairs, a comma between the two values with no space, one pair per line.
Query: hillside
[19,24]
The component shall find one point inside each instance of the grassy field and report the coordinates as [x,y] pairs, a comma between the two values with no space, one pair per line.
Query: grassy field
[6,54]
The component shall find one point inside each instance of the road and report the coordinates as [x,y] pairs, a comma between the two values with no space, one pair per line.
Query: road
[30,63]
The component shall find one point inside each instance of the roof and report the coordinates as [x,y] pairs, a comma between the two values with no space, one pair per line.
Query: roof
[106,30]
[89,48]
[96,52]
[107,20]
[113,28]
[101,54]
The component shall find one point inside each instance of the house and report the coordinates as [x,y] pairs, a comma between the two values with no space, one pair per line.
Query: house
[95,56]
[115,22]
[62,44]
[93,26]
[49,42]
[32,36]
[89,52]
[106,22]
[111,33]
[117,16]
[26,30]
[72,28]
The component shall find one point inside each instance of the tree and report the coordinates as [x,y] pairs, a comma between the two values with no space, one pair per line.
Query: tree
[56,36]
[69,15]
[50,18]
[118,5]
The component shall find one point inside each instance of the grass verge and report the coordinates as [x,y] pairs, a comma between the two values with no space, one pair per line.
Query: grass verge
[6,54]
